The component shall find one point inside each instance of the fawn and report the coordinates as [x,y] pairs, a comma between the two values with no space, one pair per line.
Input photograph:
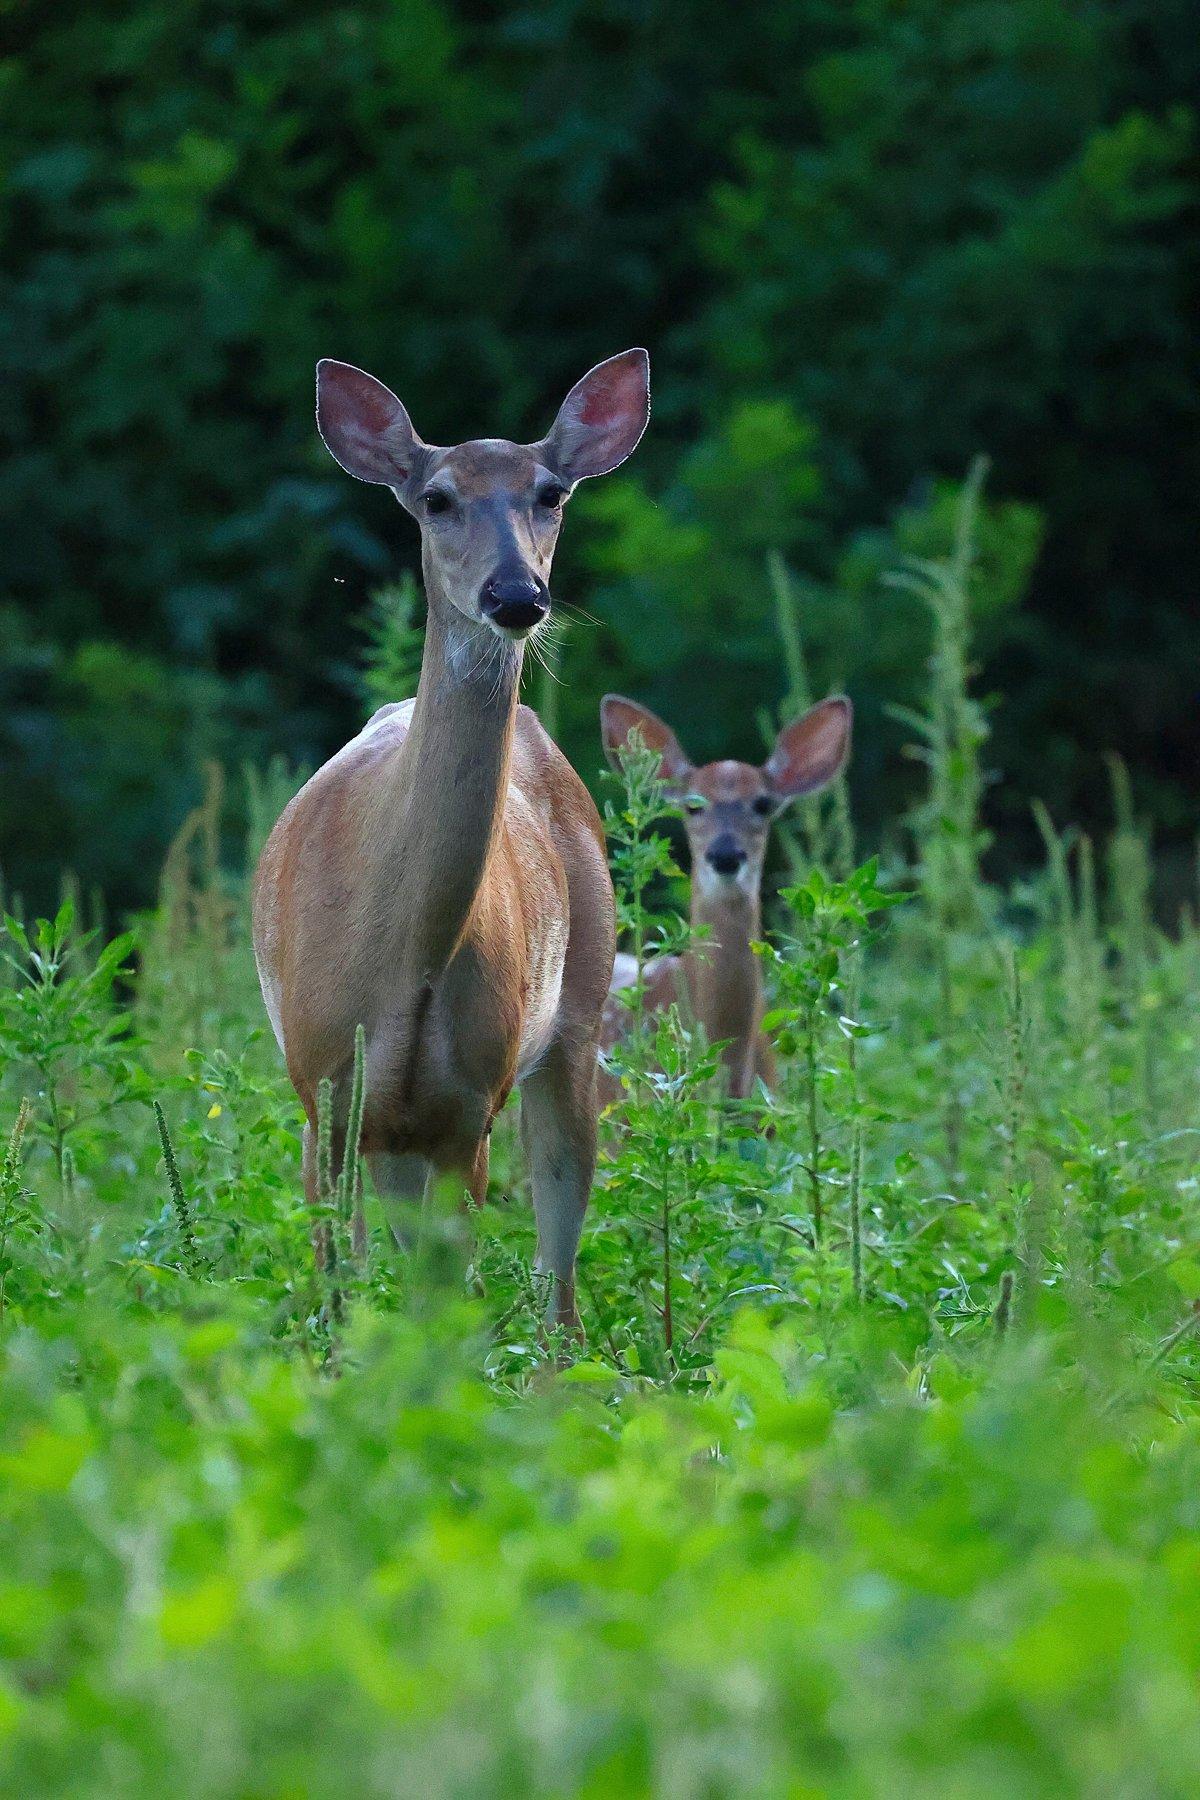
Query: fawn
[443,879]
[728,810]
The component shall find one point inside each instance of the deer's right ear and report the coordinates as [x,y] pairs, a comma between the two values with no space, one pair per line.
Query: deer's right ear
[601,420]
[363,425]
[618,717]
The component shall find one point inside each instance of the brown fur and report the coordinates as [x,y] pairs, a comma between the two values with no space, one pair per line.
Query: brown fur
[730,805]
[430,879]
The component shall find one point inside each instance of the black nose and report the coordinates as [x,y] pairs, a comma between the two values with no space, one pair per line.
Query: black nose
[515,602]
[726,855]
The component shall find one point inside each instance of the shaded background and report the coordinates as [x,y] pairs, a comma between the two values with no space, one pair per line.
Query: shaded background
[864,240]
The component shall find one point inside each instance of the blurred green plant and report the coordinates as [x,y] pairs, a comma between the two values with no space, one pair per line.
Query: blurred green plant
[59,1029]
[393,627]
[811,969]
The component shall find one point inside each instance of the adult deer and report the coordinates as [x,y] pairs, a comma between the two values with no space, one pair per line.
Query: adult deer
[728,810]
[443,878]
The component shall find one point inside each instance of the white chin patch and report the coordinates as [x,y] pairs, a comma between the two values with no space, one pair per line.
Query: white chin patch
[715,886]
[515,634]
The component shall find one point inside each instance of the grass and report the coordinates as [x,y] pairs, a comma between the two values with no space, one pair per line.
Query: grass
[879,1474]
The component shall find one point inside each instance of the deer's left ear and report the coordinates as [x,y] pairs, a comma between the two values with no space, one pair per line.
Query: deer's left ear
[601,420]
[810,752]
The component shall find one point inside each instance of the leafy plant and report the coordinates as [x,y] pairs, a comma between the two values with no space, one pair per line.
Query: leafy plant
[393,627]
[16,1214]
[811,966]
[58,1023]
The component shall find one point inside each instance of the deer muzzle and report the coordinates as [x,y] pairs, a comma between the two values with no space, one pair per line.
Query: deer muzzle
[514,603]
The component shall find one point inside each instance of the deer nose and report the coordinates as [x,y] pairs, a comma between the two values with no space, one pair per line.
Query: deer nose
[515,602]
[725,855]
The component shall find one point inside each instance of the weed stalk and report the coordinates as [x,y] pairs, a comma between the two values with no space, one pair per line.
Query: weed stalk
[179,1199]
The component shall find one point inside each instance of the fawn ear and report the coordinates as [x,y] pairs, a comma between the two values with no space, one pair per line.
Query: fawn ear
[601,419]
[363,425]
[618,717]
[810,752]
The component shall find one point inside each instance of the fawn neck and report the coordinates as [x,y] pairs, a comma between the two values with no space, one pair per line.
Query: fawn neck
[724,974]
[442,810]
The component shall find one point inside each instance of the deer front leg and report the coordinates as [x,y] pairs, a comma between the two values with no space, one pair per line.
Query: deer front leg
[764,1061]
[558,1125]
[477,1174]
[400,1182]
[415,1196]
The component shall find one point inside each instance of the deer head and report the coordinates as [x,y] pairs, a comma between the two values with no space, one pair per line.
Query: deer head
[729,806]
[489,510]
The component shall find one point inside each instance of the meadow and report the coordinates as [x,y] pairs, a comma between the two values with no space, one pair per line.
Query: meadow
[878,1474]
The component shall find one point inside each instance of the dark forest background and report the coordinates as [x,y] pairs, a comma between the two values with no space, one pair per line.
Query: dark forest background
[864,240]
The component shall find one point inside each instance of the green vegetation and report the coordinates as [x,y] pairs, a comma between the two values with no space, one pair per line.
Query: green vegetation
[864,243]
[878,1474]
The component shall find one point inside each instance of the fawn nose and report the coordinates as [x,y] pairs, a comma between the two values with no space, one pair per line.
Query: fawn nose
[515,601]
[725,855]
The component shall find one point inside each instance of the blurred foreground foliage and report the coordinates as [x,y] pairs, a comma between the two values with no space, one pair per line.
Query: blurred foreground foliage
[223,1579]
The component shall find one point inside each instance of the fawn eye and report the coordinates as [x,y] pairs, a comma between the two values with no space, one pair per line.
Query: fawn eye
[763,805]
[551,495]
[437,501]
[694,805]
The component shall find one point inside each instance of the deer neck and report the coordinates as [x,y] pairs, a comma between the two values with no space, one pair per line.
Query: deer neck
[442,806]
[724,974]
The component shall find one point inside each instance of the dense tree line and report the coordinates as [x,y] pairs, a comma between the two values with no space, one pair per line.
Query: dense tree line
[864,241]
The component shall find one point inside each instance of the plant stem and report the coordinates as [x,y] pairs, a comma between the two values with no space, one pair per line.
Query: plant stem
[814,1124]
[179,1199]
[668,1319]
[1002,1317]
[856,1135]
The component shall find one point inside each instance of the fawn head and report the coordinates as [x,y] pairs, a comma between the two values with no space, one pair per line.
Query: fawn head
[489,510]
[728,806]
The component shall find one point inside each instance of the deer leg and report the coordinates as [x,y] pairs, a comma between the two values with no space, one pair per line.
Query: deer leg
[764,1060]
[738,1058]
[477,1175]
[400,1183]
[558,1125]
[471,1171]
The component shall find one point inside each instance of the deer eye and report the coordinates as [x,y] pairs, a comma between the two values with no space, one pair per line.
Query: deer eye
[550,494]
[437,500]
[764,805]
[694,804]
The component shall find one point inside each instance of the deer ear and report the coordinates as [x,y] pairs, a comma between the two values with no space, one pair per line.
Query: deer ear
[363,425]
[618,717]
[601,419]
[810,752]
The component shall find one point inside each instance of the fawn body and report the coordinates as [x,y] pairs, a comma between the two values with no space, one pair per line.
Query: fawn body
[728,810]
[442,879]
